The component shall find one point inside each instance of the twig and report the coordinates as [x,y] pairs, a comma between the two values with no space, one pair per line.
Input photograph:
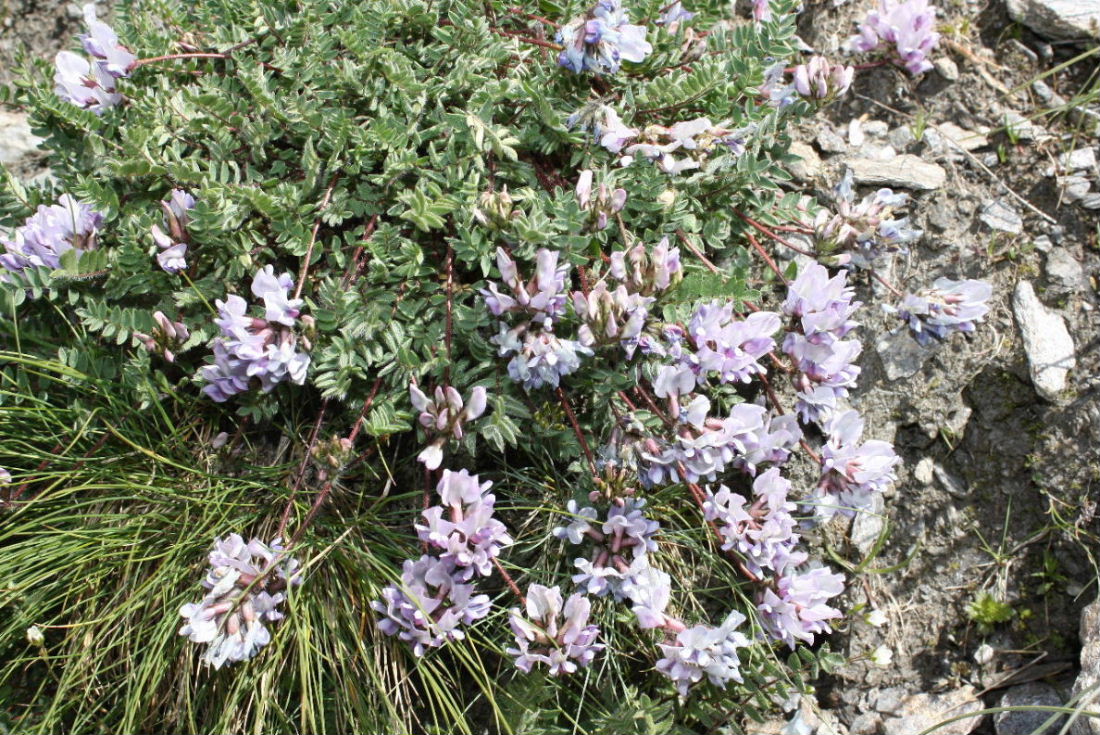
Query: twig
[767,258]
[313,237]
[526,39]
[169,57]
[511,582]
[691,246]
[355,266]
[765,231]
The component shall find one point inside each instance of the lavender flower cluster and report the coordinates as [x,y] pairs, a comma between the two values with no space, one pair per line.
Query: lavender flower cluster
[254,348]
[861,232]
[445,415]
[51,232]
[948,306]
[173,244]
[167,337]
[622,545]
[435,596]
[822,307]
[905,29]
[606,202]
[89,83]
[552,634]
[852,472]
[245,584]
[601,39]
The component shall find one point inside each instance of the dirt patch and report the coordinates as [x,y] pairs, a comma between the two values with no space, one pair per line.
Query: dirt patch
[42,27]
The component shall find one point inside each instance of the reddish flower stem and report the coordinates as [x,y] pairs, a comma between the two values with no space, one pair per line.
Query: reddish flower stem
[449,334]
[769,233]
[511,582]
[767,258]
[884,282]
[691,246]
[300,475]
[577,430]
[169,57]
[354,267]
[313,237]
[526,39]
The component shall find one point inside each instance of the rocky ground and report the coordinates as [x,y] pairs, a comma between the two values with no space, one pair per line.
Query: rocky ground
[981,557]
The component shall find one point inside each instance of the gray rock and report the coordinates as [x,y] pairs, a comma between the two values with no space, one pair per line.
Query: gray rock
[867,525]
[1064,271]
[17,143]
[1081,159]
[1089,678]
[901,137]
[1074,188]
[924,472]
[998,215]
[904,171]
[946,68]
[1047,342]
[901,355]
[959,137]
[920,712]
[888,701]
[1043,91]
[1034,694]
[876,128]
[1091,201]
[950,483]
[830,141]
[1060,19]
[1043,244]
[1021,128]
[809,167]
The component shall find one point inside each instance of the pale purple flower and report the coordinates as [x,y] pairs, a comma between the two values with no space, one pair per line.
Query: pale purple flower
[860,232]
[948,306]
[275,292]
[762,532]
[623,543]
[647,271]
[101,43]
[166,338]
[245,586]
[253,348]
[611,316]
[84,84]
[729,347]
[464,528]
[543,297]
[5,476]
[909,26]
[674,14]
[173,244]
[444,416]
[539,358]
[704,651]
[579,525]
[761,11]
[852,472]
[649,592]
[818,79]
[606,203]
[696,139]
[552,634]
[51,232]
[796,609]
[601,40]
[428,606]
[778,92]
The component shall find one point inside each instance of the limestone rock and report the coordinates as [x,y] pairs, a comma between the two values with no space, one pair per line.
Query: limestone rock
[905,172]
[998,215]
[1089,678]
[809,167]
[1047,342]
[16,140]
[1058,19]
[1034,694]
[920,712]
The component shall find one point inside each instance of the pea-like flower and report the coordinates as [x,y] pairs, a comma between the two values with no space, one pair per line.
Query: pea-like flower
[102,44]
[764,533]
[647,271]
[852,472]
[464,528]
[167,336]
[51,232]
[606,203]
[245,584]
[543,297]
[796,608]
[173,244]
[90,84]
[252,348]
[819,80]
[693,140]
[704,651]
[858,233]
[539,358]
[601,40]
[554,634]
[908,26]
[948,306]
[444,416]
[429,605]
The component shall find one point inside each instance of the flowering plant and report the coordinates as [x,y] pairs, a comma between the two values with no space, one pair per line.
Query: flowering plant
[390,258]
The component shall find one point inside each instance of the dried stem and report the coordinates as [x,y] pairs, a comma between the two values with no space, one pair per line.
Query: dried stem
[313,237]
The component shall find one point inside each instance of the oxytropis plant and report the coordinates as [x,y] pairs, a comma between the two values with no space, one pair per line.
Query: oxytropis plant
[411,255]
